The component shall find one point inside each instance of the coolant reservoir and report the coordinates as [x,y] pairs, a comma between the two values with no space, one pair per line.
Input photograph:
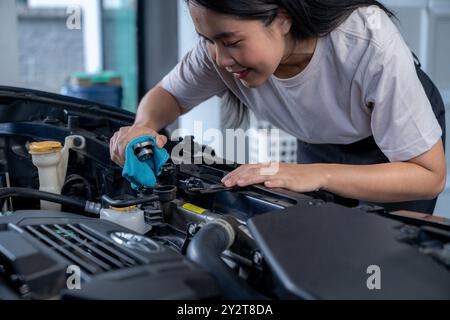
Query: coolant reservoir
[51,159]
[131,218]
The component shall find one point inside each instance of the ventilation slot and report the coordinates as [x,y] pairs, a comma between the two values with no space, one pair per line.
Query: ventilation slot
[85,248]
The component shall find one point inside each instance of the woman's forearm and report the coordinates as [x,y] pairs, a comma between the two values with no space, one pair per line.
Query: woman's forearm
[389,182]
[420,178]
[157,109]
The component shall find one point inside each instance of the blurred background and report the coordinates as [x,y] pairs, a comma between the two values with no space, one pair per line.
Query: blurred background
[114,51]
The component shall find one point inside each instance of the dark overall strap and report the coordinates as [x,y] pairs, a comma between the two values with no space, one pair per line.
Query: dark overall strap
[367,152]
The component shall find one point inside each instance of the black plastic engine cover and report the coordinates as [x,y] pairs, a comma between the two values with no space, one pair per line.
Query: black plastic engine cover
[323,251]
[37,247]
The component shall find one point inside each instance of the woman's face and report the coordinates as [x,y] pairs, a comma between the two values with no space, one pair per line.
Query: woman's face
[248,49]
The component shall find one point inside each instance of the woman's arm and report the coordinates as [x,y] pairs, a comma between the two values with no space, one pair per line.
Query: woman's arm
[421,178]
[158,109]
[191,82]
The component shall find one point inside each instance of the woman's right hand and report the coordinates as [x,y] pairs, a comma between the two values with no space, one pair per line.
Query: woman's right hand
[125,135]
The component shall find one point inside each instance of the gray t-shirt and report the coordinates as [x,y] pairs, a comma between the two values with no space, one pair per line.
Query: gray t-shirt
[361,81]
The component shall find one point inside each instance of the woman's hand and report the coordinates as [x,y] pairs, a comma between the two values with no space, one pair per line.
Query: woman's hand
[125,135]
[295,177]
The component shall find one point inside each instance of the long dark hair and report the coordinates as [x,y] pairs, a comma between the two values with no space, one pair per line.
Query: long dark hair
[310,19]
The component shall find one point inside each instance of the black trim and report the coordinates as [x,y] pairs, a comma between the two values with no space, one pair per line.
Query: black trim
[416,60]
[157,41]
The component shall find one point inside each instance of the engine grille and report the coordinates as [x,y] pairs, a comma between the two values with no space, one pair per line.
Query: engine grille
[85,247]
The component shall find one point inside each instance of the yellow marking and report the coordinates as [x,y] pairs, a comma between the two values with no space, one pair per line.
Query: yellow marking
[124,209]
[193,208]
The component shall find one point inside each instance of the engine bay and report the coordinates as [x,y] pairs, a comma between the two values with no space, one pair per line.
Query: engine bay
[196,239]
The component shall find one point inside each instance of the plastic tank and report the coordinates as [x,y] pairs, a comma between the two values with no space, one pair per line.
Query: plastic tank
[131,218]
[51,159]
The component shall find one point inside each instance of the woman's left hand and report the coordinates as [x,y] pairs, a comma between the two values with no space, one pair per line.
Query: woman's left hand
[294,177]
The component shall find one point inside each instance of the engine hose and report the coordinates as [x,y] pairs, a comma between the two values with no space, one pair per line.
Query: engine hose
[163,194]
[40,195]
[128,203]
[206,249]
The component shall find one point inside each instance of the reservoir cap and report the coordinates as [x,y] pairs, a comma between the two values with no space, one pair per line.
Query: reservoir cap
[45,147]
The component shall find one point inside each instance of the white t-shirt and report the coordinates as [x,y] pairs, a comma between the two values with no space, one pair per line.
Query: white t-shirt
[361,81]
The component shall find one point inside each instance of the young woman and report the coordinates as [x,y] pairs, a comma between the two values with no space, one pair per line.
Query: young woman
[335,74]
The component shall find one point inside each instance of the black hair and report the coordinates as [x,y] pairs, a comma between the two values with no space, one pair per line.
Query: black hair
[310,18]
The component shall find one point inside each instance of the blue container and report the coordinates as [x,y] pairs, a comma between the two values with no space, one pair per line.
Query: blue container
[110,95]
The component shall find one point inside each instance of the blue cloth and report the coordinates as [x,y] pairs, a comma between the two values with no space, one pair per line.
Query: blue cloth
[143,174]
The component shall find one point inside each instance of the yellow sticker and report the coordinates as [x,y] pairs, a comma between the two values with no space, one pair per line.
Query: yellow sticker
[194,208]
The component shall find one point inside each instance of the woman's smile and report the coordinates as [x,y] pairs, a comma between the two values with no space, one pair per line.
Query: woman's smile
[242,74]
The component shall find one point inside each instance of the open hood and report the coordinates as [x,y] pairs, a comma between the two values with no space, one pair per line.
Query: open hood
[190,238]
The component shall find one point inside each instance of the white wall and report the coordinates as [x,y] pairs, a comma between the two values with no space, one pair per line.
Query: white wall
[91,26]
[9,52]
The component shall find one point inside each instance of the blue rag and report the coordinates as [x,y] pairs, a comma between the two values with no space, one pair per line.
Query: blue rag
[143,173]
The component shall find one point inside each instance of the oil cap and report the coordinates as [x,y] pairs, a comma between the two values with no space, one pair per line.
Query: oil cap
[144,151]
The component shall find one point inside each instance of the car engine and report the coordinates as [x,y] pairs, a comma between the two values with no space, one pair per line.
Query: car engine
[189,237]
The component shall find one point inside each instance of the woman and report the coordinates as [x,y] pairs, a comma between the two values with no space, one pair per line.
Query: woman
[335,74]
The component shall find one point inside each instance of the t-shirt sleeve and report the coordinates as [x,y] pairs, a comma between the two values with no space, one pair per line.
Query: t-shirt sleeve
[194,79]
[403,123]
